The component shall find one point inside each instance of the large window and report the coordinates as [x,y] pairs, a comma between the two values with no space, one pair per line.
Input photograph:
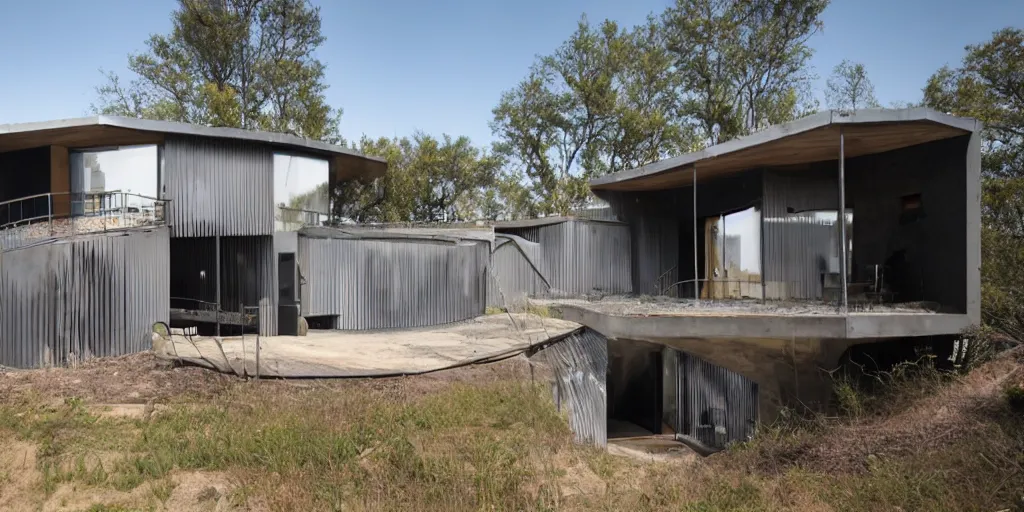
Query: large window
[733,253]
[300,190]
[121,177]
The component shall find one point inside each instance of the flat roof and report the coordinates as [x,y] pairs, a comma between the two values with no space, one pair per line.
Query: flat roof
[105,131]
[810,139]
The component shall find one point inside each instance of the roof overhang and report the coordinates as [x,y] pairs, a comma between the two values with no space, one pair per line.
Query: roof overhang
[810,139]
[106,131]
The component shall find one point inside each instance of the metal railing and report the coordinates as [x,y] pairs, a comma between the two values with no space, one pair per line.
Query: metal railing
[298,217]
[59,214]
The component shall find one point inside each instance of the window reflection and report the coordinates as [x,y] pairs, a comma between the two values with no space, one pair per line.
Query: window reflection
[733,253]
[300,191]
[124,177]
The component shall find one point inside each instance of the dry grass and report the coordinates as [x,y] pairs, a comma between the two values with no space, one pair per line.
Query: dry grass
[479,438]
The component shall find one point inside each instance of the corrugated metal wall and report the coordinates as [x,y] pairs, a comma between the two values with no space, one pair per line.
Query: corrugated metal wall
[92,296]
[718,406]
[580,365]
[249,274]
[516,271]
[218,187]
[655,255]
[796,246]
[586,257]
[247,270]
[395,283]
[575,257]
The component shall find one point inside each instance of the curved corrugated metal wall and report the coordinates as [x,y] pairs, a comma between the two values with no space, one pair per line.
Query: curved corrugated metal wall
[68,300]
[383,284]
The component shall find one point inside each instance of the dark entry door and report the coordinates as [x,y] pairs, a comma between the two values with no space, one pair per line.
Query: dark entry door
[288,309]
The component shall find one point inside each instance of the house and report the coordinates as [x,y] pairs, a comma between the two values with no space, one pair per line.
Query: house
[110,224]
[778,255]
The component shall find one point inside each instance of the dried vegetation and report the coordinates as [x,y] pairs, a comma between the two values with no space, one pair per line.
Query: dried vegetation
[482,437]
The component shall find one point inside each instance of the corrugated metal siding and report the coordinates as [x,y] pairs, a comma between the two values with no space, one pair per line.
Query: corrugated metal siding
[247,270]
[516,271]
[218,187]
[580,366]
[384,284]
[92,296]
[586,257]
[718,406]
[796,245]
[575,257]
[655,255]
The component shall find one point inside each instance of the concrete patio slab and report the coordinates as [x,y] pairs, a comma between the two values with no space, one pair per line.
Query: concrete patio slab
[323,354]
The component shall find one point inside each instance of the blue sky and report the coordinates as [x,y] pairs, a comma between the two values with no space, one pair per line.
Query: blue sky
[440,67]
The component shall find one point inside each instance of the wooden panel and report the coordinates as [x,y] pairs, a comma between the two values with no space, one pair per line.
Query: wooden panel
[79,137]
[60,180]
[811,146]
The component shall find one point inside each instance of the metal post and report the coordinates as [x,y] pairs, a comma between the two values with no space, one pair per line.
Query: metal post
[216,274]
[696,272]
[842,217]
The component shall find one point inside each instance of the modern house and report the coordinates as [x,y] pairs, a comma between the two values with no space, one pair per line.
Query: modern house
[775,256]
[110,224]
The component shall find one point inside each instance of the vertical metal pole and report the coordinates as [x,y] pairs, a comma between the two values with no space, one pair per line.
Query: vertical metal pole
[764,291]
[842,216]
[696,273]
[216,274]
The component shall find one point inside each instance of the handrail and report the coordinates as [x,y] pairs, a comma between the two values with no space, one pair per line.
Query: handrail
[301,216]
[80,212]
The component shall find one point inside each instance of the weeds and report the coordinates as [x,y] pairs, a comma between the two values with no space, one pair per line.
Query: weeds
[503,446]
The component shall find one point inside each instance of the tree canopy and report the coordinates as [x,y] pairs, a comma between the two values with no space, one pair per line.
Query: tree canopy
[849,88]
[610,99]
[238,63]
[989,86]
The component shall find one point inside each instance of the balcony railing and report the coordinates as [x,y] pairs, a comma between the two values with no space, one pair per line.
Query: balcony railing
[61,214]
[289,219]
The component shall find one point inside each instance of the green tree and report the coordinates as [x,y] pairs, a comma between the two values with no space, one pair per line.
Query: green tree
[742,63]
[604,101]
[448,174]
[849,88]
[428,180]
[989,86]
[238,63]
